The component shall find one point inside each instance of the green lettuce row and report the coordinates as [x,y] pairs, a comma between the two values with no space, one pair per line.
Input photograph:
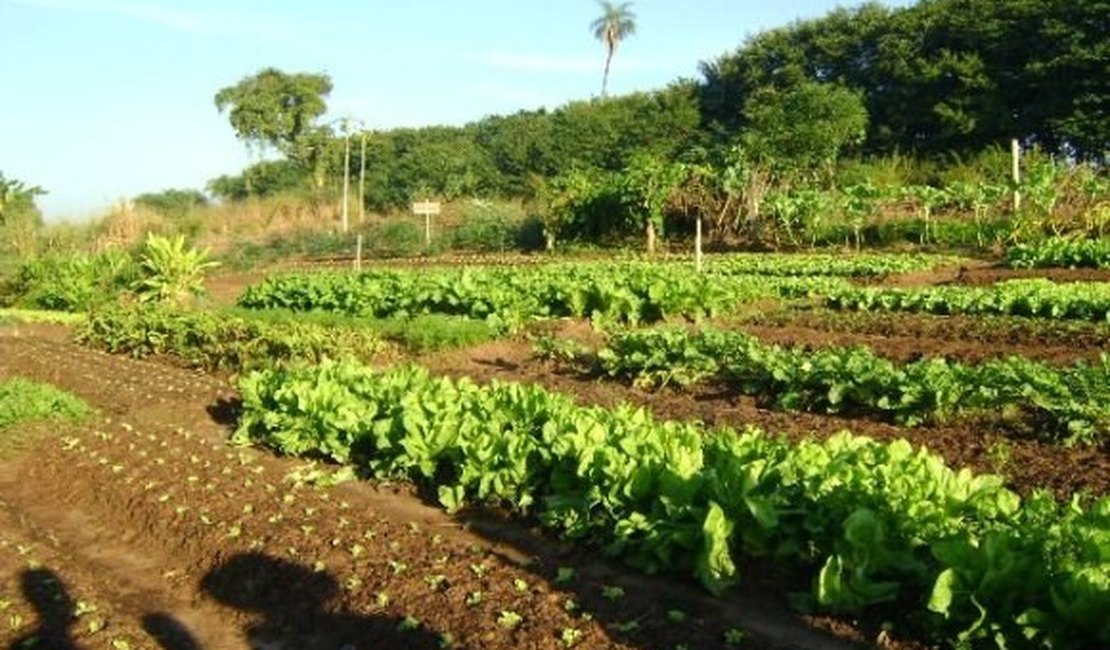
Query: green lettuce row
[959,556]
[1036,298]
[828,264]
[221,341]
[1056,252]
[1068,404]
[623,292]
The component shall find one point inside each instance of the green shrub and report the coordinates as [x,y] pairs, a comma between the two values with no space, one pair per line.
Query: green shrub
[71,282]
[395,238]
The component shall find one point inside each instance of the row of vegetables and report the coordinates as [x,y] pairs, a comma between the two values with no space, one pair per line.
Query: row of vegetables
[956,557]
[629,292]
[1069,405]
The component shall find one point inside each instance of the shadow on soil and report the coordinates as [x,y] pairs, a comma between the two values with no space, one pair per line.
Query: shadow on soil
[655,611]
[294,608]
[46,592]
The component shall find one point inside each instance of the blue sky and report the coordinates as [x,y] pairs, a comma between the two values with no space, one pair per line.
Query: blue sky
[110,98]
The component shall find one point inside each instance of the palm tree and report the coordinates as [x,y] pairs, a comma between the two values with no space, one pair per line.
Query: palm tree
[616,22]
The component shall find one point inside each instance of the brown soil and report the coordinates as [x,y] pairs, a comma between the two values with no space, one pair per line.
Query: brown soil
[908,348]
[145,527]
[992,274]
[912,335]
[1026,464]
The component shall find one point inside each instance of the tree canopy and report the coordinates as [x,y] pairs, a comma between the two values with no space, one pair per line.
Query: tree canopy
[274,108]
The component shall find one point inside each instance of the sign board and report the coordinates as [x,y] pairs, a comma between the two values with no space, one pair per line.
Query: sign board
[425,208]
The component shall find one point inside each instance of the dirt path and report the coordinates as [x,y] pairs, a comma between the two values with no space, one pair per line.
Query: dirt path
[144,529]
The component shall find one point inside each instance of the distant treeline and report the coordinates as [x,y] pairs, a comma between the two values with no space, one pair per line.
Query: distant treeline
[942,79]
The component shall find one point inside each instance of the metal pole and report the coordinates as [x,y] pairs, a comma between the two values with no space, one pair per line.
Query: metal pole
[1015,155]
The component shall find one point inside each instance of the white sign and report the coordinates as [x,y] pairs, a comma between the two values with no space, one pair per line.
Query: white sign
[425,207]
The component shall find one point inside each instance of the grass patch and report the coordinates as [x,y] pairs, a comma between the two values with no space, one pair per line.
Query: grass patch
[417,334]
[23,401]
[26,406]
[9,316]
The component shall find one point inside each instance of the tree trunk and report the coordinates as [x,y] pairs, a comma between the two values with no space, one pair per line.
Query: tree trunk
[605,77]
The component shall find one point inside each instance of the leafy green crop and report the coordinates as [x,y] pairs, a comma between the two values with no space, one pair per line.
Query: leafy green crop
[221,341]
[505,298]
[1070,404]
[960,556]
[1067,252]
[1036,298]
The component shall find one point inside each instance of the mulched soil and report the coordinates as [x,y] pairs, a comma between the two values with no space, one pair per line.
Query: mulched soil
[145,527]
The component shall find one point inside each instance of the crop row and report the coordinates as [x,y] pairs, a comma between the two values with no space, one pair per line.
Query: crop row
[1067,252]
[818,264]
[220,341]
[626,293]
[960,557]
[1036,298]
[1070,404]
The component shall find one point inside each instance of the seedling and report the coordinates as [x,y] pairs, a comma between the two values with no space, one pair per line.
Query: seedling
[509,619]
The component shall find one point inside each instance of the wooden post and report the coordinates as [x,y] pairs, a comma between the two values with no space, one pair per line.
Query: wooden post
[697,246]
[346,180]
[362,181]
[1015,155]
[428,230]
[358,253]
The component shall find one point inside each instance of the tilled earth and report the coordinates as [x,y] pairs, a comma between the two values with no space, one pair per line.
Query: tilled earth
[143,528]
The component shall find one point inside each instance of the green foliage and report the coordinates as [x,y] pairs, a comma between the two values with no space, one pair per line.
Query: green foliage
[262,179]
[23,401]
[170,271]
[20,218]
[1069,405]
[505,298]
[1066,252]
[218,341]
[173,203]
[71,282]
[1035,298]
[273,108]
[490,226]
[433,332]
[803,128]
[952,553]
[941,75]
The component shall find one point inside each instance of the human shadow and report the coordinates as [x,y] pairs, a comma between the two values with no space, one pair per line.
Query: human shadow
[47,594]
[170,633]
[296,607]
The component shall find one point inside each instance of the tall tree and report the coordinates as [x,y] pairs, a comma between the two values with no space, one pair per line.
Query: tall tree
[276,109]
[616,23]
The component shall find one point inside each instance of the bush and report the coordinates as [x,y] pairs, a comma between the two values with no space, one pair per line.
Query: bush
[71,282]
[395,238]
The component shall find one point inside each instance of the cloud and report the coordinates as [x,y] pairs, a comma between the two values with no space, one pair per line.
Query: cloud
[181,20]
